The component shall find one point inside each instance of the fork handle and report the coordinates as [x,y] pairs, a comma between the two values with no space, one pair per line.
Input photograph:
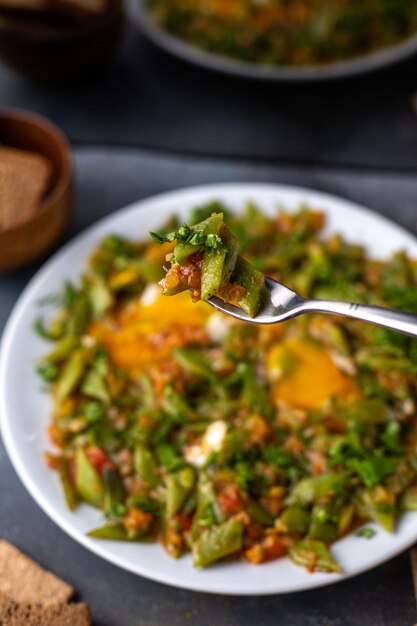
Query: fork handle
[388,318]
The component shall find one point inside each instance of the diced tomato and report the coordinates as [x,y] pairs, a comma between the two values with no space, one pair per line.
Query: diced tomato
[318,463]
[52,461]
[294,444]
[270,548]
[137,520]
[98,458]
[230,500]
[184,522]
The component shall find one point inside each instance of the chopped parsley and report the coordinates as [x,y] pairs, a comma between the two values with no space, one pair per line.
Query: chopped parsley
[366,533]
[187,235]
[373,470]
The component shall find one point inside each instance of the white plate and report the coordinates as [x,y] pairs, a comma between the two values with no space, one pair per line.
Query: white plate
[357,66]
[24,408]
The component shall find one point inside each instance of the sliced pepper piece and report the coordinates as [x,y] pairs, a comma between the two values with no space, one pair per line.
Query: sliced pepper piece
[218,542]
[219,264]
[71,375]
[145,465]
[312,489]
[117,532]
[88,481]
[408,500]
[62,349]
[179,487]
[294,520]
[68,486]
[314,555]
[253,281]
[114,491]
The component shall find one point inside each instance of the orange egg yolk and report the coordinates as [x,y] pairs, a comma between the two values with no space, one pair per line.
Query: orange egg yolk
[311,378]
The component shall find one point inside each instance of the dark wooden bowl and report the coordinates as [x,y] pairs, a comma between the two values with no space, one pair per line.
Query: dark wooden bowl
[30,239]
[49,52]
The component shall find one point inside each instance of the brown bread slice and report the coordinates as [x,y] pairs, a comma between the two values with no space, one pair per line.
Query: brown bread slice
[24,178]
[25,581]
[23,614]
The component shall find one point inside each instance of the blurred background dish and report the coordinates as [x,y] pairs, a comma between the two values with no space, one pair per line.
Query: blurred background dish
[366,39]
[50,41]
[35,187]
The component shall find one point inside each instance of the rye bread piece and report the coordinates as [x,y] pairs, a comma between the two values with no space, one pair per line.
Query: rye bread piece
[24,581]
[24,179]
[24,614]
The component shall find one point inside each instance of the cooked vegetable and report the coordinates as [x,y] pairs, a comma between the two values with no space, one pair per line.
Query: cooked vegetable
[206,261]
[218,542]
[88,482]
[278,32]
[313,555]
[227,439]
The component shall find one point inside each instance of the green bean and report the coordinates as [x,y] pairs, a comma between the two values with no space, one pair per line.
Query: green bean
[145,465]
[256,395]
[176,406]
[346,517]
[232,246]
[117,532]
[100,296]
[69,489]
[208,510]
[314,555]
[178,488]
[381,510]
[293,520]
[88,482]
[94,386]
[253,281]
[219,264]
[54,332]
[70,376]
[79,315]
[169,458]
[62,350]
[218,542]
[211,273]
[322,525]
[310,490]
[408,499]
[114,491]
[194,362]
[258,513]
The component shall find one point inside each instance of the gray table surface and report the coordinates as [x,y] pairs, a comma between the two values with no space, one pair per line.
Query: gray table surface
[145,98]
[106,180]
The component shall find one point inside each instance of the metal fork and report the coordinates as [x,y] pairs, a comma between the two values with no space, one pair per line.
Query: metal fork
[280,304]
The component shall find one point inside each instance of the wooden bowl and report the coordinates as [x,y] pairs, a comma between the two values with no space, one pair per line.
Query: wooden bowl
[30,239]
[48,52]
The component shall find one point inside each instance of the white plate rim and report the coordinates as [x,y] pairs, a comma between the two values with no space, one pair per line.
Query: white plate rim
[189,197]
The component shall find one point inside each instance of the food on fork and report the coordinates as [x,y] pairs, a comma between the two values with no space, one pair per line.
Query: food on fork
[206,261]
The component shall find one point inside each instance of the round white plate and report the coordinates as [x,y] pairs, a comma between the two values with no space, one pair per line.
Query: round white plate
[24,408]
[357,66]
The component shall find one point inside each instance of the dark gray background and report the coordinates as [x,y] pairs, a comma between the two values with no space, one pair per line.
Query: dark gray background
[148,124]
